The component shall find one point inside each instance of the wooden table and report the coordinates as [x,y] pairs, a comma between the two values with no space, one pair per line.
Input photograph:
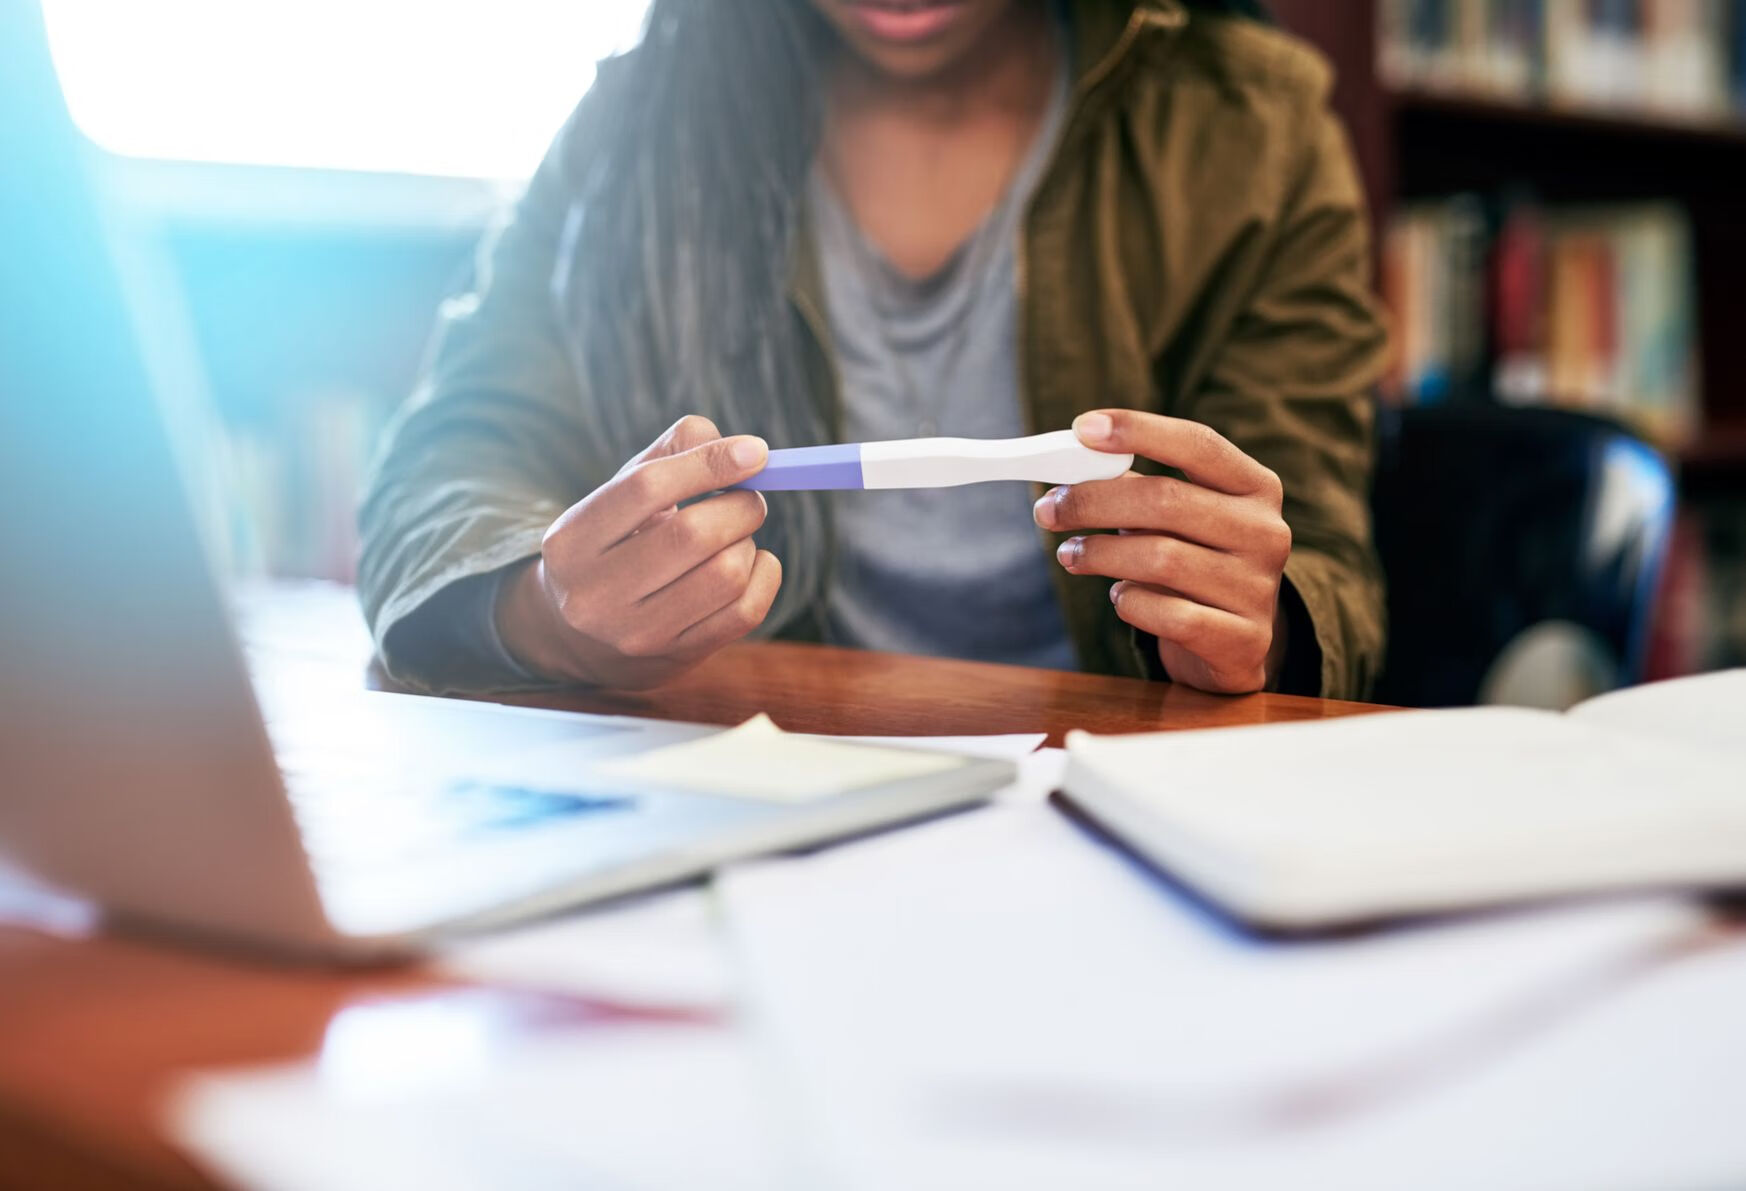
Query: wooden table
[93,1030]
[817,688]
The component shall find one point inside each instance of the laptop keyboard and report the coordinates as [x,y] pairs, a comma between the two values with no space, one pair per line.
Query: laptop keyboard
[372,819]
[377,781]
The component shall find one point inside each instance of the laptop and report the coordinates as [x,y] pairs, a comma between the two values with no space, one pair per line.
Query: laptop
[135,763]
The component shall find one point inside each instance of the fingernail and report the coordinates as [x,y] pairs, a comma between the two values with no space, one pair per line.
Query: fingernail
[1093,428]
[748,451]
[1068,553]
[1115,594]
[1044,510]
[763,503]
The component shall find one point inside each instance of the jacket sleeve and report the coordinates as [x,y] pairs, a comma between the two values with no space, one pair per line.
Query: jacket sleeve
[1292,386]
[490,448]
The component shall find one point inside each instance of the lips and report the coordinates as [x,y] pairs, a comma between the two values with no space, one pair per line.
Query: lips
[898,21]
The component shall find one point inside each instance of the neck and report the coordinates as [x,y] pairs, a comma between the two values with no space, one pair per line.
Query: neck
[1008,73]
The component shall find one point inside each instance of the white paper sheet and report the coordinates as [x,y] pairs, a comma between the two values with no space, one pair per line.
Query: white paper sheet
[663,951]
[1704,709]
[1039,776]
[759,760]
[1004,1001]
[996,748]
[627,1106]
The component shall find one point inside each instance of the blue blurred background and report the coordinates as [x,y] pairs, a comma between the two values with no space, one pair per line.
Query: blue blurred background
[304,183]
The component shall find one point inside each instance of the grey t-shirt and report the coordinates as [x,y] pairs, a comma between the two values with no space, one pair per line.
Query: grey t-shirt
[952,572]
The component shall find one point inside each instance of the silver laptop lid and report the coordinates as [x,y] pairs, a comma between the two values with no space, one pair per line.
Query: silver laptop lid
[135,766]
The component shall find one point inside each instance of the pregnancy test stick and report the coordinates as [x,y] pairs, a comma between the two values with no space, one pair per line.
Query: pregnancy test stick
[1055,458]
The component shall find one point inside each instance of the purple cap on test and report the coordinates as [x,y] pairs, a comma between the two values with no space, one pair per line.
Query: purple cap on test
[810,469]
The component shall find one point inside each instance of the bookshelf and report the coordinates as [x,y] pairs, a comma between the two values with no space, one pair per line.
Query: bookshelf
[1433,114]
[1656,131]
[1417,142]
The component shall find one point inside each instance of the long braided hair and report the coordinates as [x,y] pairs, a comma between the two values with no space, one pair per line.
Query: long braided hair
[686,198]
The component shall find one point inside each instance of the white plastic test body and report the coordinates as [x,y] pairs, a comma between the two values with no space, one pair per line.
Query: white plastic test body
[1055,458]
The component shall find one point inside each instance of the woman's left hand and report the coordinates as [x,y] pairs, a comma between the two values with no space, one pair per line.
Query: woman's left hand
[1199,561]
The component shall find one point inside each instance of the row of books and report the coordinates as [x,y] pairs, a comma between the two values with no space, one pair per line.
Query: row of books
[1592,308]
[290,483]
[1684,58]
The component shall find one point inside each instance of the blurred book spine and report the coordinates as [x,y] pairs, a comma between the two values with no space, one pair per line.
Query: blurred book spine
[1700,623]
[1684,58]
[1591,308]
[1434,281]
[297,477]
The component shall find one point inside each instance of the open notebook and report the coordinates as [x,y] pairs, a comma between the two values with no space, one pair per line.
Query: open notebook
[1311,825]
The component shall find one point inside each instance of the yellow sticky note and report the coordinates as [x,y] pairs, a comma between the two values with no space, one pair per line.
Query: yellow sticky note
[759,760]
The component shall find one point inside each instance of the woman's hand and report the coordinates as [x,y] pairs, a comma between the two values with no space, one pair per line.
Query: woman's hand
[1199,560]
[630,589]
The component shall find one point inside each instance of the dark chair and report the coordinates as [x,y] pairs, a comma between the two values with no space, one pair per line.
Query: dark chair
[1492,520]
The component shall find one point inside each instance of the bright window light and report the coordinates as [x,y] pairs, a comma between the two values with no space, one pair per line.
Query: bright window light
[396,86]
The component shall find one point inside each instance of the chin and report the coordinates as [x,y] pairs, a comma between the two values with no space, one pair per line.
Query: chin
[910,63]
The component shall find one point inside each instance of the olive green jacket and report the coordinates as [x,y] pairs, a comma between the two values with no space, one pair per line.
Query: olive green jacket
[1197,247]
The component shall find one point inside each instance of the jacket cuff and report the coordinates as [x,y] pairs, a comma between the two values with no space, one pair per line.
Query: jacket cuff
[1144,648]
[1349,659]
[439,637]
[1325,645]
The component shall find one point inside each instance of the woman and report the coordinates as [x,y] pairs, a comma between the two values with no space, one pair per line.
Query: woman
[789,222]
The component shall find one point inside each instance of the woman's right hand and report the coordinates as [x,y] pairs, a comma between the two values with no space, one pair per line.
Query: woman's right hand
[629,589]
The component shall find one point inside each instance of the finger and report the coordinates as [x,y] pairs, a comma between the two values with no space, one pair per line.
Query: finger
[649,560]
[656,519]
[623,503]
[1194,448]
[1233,647]
[693,430]
[702,591]
[1205,576]
[1157,503]
[740,617]
[689,432]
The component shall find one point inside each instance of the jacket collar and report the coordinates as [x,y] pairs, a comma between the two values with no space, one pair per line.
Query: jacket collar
[1104,30]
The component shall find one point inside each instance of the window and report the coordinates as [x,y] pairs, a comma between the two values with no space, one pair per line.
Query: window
[390,86]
